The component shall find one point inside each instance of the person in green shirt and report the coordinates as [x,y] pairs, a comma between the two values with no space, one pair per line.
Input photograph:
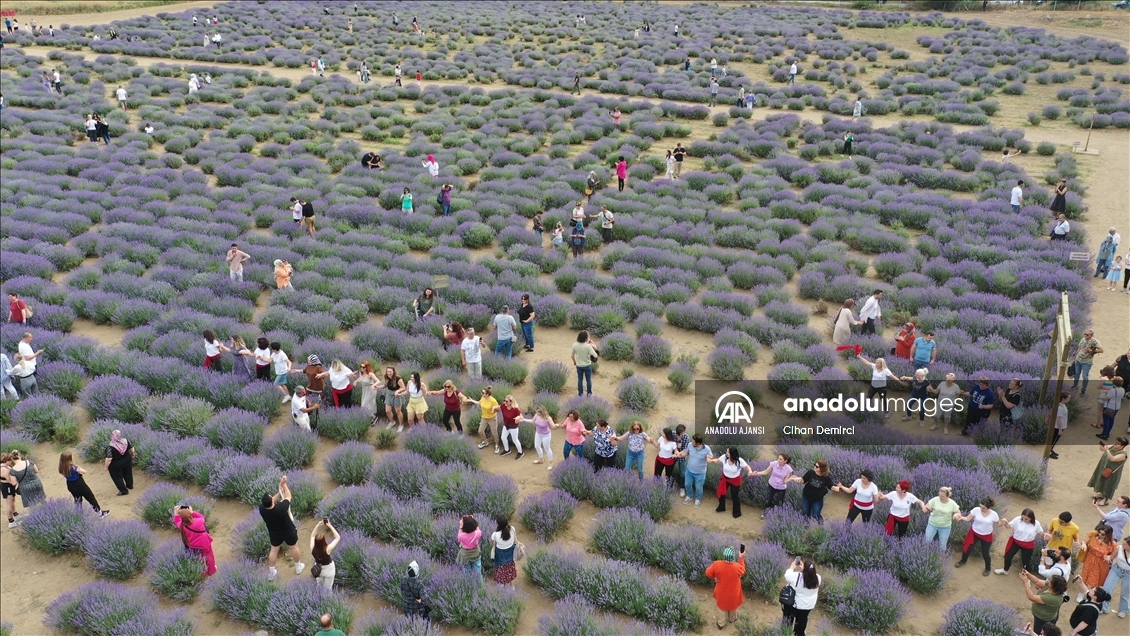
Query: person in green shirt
[328,628]
[1046,598]
[584,354]
[942,509]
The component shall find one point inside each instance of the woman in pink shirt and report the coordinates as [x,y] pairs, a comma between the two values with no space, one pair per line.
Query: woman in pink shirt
[470,556]
[621,172]
[574,434]
[779,472]
[195,535]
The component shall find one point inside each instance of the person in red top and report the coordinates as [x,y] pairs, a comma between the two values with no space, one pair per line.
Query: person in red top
[454,333]
[904,341]
[17,309]
[727,575]
[511,418]
[195,535]
[452,405]
[419,77]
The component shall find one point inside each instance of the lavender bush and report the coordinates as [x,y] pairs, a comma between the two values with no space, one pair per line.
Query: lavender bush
[298,607]
[241,590]
[175,572]
[979,617]
[112,608]
[349,463]
[291,448]
[386,622]
[547,513]
[118,549]
[879,609]
[431,442]
[575,615]
[550,376]
[56,527]
[575,476]
[402,473]
[236,429]
[115,397]
[343,425]
[46,418]
[637,393]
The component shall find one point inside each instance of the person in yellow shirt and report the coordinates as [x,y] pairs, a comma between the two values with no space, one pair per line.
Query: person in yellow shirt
[490,413]
[1062,533]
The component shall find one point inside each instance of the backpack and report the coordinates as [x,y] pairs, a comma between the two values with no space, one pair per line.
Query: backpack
[439,198]
[787,596]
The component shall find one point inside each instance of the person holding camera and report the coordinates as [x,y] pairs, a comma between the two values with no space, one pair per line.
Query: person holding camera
[323,569]
[1056,562]
[1046,598]
[275,511]
[470,555]
[194,534]
[1085,619]
[805,582]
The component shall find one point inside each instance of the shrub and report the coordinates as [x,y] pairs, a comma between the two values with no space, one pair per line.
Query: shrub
[979,617]
[783,377]
[101,608]
[681,376]
[258,397]
[243,477]
[574,615]
[387,622]
[155,505]
[637,393]
[458,489]
[64,379]
[241,591]
[402,473]
[249,538]
[860,546]
[1016,470]
[46,418]
[236,429]
[665,602]
[18,440]
[117,398]
[1045,148]
[866,599]
[349,463]
[298,608]
[118,549]
[175,572]
[590,408]
[177,414]
[512,371]
[547,513]
[306,493]
[343,425]
[623,533]
[433,443]
[550,376]
[922,566]
[617,346]
[291,448]
[575,476]
[727,363]
[653,351]
[56,527]
[787,528]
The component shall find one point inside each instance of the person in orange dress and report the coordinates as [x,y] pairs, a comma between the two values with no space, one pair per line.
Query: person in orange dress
[727,575]
[1100,544]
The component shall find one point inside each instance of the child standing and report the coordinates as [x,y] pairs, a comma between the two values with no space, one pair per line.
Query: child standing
[1114,273]
[558,235]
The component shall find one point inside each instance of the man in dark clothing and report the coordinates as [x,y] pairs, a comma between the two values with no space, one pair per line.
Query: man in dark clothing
[275,510]
[308,217]
[412,593]
[576,83]
[679,154]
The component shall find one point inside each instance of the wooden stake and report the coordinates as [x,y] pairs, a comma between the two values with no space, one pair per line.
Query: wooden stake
[1088,144]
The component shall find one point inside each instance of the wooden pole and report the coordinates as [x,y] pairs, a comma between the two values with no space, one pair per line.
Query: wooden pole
[1088,144]
[1051,364]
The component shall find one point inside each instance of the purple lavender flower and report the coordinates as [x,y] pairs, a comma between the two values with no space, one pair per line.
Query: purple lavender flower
[118,549]
[546,513]
[103,608]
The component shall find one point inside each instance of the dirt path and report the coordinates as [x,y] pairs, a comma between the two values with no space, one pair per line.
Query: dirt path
[88,19]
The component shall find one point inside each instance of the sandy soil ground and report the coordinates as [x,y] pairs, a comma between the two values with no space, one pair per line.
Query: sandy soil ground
[29,581]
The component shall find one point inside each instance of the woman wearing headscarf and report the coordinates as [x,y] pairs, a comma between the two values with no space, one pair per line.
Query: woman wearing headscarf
[412,593]
[119,462]
[194,534]
[841,324]
[591,184]
[727,575]
[432,165]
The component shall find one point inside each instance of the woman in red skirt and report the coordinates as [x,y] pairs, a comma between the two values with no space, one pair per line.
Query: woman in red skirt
[502,554]
[212,349]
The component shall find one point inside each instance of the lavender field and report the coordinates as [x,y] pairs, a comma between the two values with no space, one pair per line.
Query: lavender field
[730,271]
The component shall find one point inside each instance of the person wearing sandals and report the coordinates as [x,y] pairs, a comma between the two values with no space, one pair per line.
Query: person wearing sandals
[503,553]
[727,574]
[368,380]
[1108,472]
[415,389]
[490,413]
[394,402]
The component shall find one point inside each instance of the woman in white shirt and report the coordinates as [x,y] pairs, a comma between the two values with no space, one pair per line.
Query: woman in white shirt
[805,582]
[898,519]
[341,383]
[879,376]
[665,459]
[281,363]
[92,128]
[731,480]
[415,389]
[578,215]
[1025,528]
[262,359]
[670,165]
[503,553]
[212,349]
[432,165]
[947,390]
[983,518]
[863,491]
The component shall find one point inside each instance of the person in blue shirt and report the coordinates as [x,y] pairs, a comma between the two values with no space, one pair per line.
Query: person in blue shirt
[694,474]
[981,402]
[924,351]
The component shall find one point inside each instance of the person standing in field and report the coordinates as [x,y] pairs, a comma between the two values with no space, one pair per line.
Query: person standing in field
[308,217]
[76,485]
[17,309]
[621,172]
[275,511]
[282,370]
[119,462]
[679,153]
[713,91]
[122,96]
[505,324]
[792,73]
[727,574]
[576,83]
[670,161]
[857,110]
[471,352]
[283,271]
[235,260]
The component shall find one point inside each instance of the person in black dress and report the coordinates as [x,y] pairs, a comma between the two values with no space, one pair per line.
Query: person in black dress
[119,461]
[1059,203]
